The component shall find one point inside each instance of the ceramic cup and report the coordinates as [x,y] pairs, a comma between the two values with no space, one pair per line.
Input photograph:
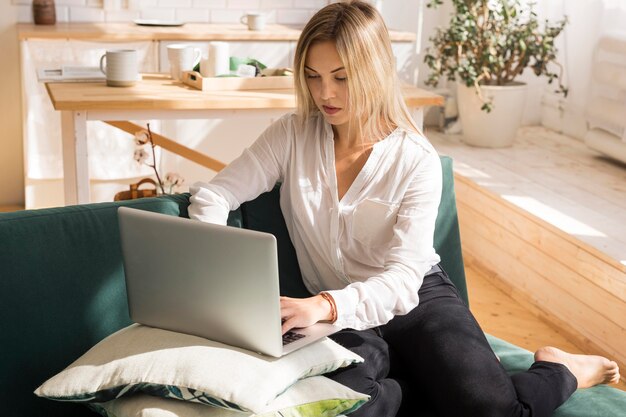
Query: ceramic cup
[182,57]
[255,21]
[121,67]
[218,60]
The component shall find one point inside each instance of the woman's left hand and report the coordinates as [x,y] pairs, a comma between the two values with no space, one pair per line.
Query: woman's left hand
[303,312]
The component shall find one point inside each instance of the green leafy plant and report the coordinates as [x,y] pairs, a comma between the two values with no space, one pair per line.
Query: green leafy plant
[491,42]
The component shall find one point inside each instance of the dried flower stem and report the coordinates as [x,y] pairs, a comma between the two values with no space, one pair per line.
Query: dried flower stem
[152,145]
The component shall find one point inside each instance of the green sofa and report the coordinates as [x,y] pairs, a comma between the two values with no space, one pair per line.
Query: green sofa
[62,290]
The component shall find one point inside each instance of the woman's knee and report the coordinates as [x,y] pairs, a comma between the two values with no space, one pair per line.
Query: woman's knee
[385,398]
[371,347]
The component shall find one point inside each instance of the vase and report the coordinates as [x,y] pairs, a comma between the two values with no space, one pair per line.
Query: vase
[496,129]
[44,12]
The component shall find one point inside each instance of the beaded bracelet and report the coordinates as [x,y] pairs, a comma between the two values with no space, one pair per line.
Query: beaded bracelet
[333,307]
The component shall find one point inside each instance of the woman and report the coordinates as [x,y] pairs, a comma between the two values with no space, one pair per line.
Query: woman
[360,193]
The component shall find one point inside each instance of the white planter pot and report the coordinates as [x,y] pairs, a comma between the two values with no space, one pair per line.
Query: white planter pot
[496,129]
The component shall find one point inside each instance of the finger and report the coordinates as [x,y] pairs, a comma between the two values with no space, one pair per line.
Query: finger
[287,311]
[289,324]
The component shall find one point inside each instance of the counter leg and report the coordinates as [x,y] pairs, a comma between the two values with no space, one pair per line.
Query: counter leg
[75,162]
[418,116]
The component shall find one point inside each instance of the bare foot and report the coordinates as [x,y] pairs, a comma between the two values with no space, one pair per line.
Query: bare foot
[589,370]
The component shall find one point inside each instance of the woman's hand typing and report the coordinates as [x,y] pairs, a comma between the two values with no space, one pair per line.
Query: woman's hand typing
[304,312]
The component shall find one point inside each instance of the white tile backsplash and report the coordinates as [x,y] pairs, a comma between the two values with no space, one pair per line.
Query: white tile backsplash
[243,4]
[270,16]
[159,14]
[309,4]
[70,2]
[175,3]
[196,15]
[86,14]
[276,4]
[123,15]
[210,4]
[290,12]
[226,16]
[62,13]
[24,14]
[293,17]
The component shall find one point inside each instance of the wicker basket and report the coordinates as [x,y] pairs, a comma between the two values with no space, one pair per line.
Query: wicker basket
[135,192]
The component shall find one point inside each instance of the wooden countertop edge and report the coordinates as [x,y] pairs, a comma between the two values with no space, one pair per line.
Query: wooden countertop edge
[226,100]
[177,104]
[190,31]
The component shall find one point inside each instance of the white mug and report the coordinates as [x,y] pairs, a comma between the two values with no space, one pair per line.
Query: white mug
[182,57]
[255,21]
[121,68]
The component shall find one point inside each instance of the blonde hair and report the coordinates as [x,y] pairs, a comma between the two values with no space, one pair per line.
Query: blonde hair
[362,41]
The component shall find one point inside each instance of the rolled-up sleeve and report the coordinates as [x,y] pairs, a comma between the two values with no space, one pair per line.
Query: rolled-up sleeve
[255,171]
[377,300]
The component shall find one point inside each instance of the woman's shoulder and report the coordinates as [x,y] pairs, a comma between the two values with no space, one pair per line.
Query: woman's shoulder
[415,143]
[294,118]
[294,123]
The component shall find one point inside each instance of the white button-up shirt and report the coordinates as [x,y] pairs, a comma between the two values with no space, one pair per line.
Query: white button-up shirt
[371,249]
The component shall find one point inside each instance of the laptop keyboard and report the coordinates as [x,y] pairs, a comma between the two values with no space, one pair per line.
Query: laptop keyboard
[291,336]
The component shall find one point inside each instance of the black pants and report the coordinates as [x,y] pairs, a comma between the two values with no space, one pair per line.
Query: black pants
[446,363]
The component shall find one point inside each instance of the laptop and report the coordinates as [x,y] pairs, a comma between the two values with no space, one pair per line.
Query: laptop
[207,280]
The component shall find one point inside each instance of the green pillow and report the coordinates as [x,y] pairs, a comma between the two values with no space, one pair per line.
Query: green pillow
[311,397]
[189,368]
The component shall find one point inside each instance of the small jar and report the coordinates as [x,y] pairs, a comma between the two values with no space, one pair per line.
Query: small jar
[44,12]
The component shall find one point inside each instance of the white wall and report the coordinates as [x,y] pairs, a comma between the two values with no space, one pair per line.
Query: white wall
[404,15]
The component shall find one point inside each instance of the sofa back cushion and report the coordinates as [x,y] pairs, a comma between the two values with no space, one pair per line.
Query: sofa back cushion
[62,290]
[447,235]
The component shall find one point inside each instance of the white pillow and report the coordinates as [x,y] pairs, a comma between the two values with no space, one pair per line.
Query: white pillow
[174,365]
[316,396]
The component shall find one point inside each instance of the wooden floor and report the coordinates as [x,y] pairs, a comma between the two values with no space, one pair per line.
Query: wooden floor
[504,317]
[554,177]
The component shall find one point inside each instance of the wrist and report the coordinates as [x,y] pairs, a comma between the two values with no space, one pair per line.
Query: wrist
[330,307]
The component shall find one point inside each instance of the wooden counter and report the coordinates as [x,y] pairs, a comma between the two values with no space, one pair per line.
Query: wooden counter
[159,92]
[158,97]
[188,32]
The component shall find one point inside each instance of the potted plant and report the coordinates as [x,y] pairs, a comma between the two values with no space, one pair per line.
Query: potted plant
[487,45]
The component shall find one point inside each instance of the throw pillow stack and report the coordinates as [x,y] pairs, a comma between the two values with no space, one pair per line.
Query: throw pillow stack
[145,371]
